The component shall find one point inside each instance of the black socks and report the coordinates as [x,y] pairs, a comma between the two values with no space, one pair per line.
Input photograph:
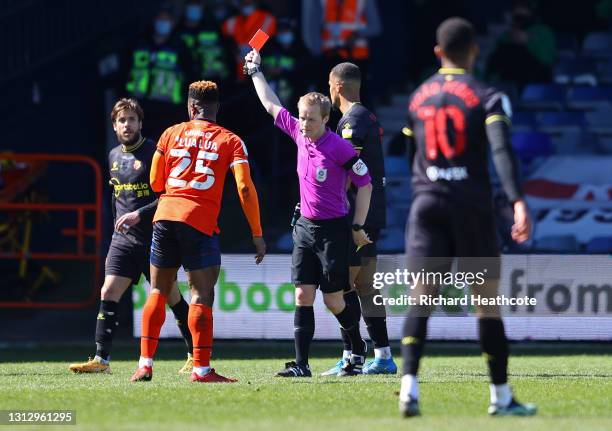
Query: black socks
[413,342]
[304,327]
[181,312]
[350,324]
[494,346]
[105,328]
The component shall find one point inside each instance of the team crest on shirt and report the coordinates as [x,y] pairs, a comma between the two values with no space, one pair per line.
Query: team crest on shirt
[137,164]
[321,174]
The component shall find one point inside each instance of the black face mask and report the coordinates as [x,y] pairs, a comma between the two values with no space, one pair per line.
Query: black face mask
[522,20]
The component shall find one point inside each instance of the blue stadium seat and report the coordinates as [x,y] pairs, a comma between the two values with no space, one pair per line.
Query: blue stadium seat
[590,97]
[598,44]
[579,71]
[398,191]
[391,240]
[285,242]
[396,216]
[557,243]
[600,244]
[567,45]
[523,121]
[604,144]
[564,121]
[604,72]
[531,145]
[600,121]
[543,96]
[396,166]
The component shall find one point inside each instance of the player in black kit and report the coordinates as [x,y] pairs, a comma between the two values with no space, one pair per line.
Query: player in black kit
[453,122]
[133,205]
[360,127]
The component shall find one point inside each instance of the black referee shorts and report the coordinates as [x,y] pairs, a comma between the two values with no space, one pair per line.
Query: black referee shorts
[321,253]
[439,227]
[369,250]
[127,259]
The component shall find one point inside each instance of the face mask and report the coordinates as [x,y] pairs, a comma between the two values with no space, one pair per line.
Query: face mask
[163,27]
[248,10]
[193,12]
[285,38]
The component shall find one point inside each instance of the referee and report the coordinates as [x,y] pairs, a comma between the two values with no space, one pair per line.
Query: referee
[360,127]
[454,121]
[321,235]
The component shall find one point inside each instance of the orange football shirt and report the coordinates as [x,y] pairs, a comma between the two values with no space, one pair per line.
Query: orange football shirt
[197,156]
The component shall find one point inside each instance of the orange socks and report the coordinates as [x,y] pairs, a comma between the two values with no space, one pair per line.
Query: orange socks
[201,328]
[153,317]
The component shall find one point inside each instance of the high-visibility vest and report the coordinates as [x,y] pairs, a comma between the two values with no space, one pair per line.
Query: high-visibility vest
[156,75]
[208,52]
[342,18]
[241,28]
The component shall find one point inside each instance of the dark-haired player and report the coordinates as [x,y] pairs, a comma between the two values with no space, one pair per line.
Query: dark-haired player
[361,128]
[454,121]
[128,255]
[189,170]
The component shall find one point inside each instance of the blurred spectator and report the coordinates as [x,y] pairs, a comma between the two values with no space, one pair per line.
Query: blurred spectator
[241,27]
[340,29]
[526,52]
[159,74]
[285,61]
[210,52]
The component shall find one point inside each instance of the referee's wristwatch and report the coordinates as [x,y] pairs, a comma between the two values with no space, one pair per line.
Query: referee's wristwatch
[356,227]
[250,68]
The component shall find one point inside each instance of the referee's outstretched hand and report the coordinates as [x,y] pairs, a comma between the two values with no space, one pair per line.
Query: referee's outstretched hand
[260,247]
[253,57]
[360,238]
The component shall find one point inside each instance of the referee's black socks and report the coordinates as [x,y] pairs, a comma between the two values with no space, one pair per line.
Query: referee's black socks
[106,324]
[413,342]
[375,318]
[181,313]
[304,327]
[351,299]
[350,324]
[494,345]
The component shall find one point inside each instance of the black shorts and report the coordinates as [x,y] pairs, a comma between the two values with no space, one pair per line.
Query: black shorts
[126,259]
[439,227]
[369,250]
[178,244]
[321,253]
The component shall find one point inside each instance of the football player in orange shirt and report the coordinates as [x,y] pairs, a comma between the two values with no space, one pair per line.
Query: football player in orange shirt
[189,170]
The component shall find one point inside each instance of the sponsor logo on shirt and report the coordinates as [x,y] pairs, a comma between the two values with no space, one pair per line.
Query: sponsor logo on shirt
[458,173]
[360,168]
[321,174]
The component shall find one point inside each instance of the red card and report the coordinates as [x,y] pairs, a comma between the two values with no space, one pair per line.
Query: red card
[259,40]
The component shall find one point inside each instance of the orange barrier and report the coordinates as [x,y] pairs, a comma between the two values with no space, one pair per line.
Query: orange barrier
[80,232]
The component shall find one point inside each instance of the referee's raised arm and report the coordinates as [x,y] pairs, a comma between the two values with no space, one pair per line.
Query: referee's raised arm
[269,99]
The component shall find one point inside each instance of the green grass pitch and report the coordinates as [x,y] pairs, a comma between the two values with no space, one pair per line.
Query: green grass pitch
[571,384]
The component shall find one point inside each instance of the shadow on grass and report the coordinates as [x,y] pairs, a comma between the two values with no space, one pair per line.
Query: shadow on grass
[282,350]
